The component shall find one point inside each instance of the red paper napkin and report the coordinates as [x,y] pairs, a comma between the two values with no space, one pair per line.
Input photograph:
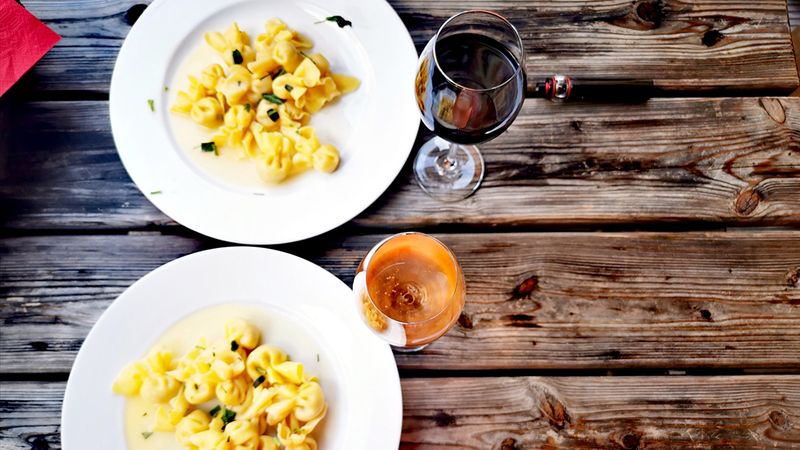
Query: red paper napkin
[23,41]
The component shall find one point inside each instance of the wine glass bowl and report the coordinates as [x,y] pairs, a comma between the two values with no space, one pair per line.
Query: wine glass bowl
[470,86]
[409,290]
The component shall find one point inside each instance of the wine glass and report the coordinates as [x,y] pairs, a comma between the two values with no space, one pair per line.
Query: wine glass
[470,86]
[409,290]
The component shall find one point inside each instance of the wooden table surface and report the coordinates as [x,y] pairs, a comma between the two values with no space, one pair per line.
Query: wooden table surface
[633,270]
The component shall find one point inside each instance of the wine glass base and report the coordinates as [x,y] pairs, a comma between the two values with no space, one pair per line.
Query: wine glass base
[408,349]
[448,172]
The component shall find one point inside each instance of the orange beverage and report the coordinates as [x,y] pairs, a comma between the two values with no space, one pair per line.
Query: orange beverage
[410,290]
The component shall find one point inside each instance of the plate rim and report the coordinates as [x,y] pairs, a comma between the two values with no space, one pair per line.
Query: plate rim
[209,254]
[247,237]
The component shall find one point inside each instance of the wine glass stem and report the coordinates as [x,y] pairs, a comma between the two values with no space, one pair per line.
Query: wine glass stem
[448,164]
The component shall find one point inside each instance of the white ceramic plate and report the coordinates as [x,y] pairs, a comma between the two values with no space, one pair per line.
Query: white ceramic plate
[374,127]
[313,312]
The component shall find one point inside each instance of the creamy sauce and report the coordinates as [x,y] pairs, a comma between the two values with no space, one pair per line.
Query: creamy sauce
[228,168]
[276,329]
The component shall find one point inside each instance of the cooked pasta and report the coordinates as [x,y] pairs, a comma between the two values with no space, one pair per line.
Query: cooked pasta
[236,394]
[261,101]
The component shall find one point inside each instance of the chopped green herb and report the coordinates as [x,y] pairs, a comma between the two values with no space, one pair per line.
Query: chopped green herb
[317,357]
[341,21]
[196,387]
[223,388]
[155,193]
[234,346]
[151,104]
[215,410]
[299,431]
[261,371]
[258,381]
[145,414]
[273,115]
[200,346]
[147,434]
[166,88]
[237,57]
[304,54]
[209,146]
[280,72]
[247,107]
[227,417]
[272,98]
[289,88]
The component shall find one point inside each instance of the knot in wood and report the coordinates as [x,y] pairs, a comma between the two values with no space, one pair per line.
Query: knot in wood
[39,346]
[793,277]
[508,444]
[711,38]
[554,411]
[631,441]
[774,109]
[39,443]
[443,419]
[778,419]
[133,13]
[747,201]
[464,321]
[651,11]
[525,288]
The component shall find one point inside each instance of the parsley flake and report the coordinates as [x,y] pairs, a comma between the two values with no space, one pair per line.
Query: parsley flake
[273,115]
[227,417]
[234,346]
[209,147]
[247,107]
[155,192]
[237,57]
[317,357]
[151,104]
[341,21]
[258,381]
[272,98]
[280,72]
[147,434]
[215,410]
[289,87]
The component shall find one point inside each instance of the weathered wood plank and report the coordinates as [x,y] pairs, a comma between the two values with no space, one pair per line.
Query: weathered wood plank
[548,300]
[732,160]
[684,45]
[532,413]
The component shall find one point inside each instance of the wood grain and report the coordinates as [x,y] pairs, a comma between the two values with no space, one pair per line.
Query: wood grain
[684,45]
[547,300]
[726,161]
[531,413]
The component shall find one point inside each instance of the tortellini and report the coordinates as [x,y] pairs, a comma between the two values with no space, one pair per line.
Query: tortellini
[262,399]
[261,88]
